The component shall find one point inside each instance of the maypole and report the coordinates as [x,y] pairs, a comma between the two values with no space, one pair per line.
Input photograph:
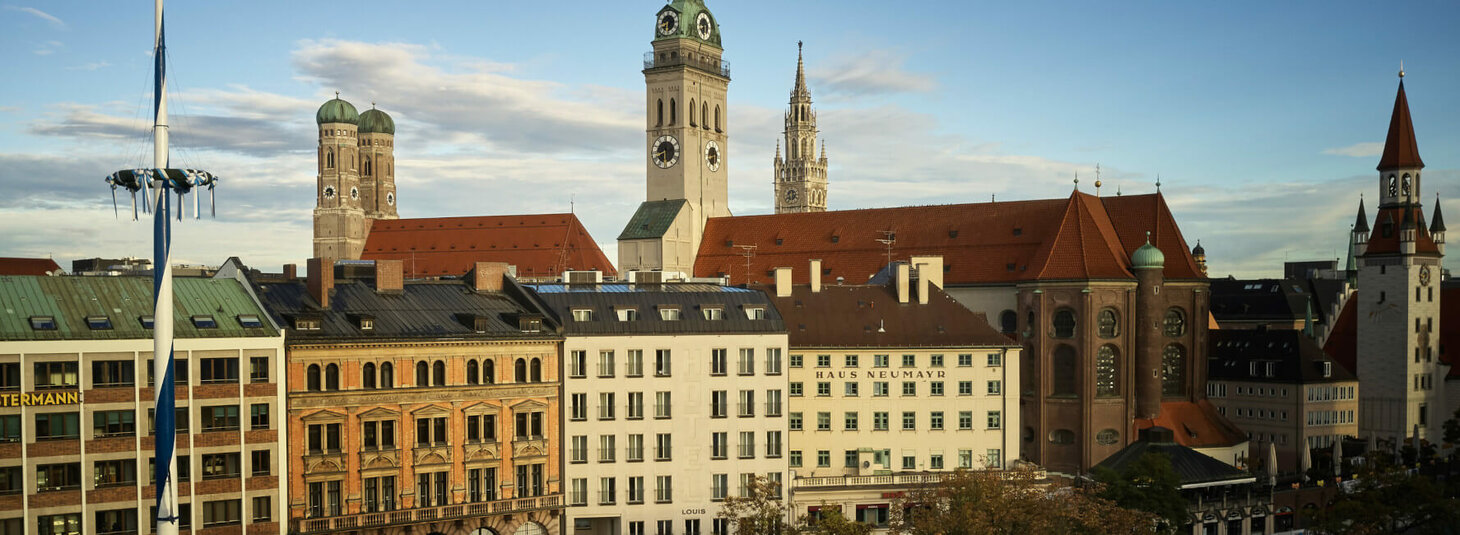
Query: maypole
[159,183]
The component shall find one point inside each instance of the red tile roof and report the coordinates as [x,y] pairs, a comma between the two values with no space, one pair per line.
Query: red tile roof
[1392,218]
[28,266]
[1342,344]
[1400,149]
[1196,424]
[543,245]
[1079,237]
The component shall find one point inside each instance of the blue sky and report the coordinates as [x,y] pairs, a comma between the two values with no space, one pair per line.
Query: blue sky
[1263,119]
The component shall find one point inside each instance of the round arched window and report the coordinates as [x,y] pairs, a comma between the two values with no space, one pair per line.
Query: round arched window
[1008,322]
[1173,370]
[1108,324]
[1175,323]
[1107,371]
[1107,437]
[1064,323]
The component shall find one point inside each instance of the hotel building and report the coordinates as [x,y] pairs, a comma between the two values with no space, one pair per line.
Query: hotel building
[78,350]
[675,399]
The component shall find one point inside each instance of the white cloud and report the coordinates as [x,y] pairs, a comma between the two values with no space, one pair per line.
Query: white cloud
[875,72]
[38,13]
[1366,149]
[89,66]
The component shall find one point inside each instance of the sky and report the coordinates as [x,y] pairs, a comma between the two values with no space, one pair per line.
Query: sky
[1262,120]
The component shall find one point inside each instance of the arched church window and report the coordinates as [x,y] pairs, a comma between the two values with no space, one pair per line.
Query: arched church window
[489,372]
[367,375]
[1107,371]
[1064,369]
[1064,323]
[673,112]
[312,378]
[1406,186]
[365,167]
[705,114]
[1173,370]
[423,374]
[1393,186]
[1008,322]
[438,373]
[536,370]
[332,377]
[329,159]
[471,372]
[387,375]
[519,372]
[659,115]
[1175,322]
[1108,325]
[692,112]
[717,118]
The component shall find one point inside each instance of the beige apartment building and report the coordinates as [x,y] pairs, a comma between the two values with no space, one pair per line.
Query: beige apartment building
[1284,391]
[76,407]
[891,383]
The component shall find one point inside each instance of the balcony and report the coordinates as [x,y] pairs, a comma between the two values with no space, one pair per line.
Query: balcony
[704,62]
[424,515]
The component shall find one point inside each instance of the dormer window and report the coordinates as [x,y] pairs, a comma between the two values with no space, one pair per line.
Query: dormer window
[670,313]
[250,321]
[306,324]
[713,313]
[480,324]
[1327,369]
[529,324]
[628,314]
[99,323]
[367,323]
[205,321]
[755,313]
[43,323]
[582,314]
[146,321]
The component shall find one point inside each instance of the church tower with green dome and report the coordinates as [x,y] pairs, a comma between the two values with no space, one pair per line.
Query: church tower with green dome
[356,163]
[686,141]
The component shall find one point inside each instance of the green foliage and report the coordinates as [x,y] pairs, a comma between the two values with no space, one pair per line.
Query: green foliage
[832,523]
[762,511]
[1014,502]
[1149,484]
[1452,428]
[1388,499]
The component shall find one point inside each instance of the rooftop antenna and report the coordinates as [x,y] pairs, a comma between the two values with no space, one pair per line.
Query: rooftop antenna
[889,238]
[747,251]
[1158,182]
[1117,190]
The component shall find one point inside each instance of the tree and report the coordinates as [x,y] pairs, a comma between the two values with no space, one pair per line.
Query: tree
[831,523]
[1388,499]
[1452,428]
[1017,501]
[761,511]
[1149,484]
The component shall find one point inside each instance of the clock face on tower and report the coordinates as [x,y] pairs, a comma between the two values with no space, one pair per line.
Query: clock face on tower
[329,192]
[1424,276]
[712,155]
[790,195]
[665,152]
[704,26]
[390,199]
[354,193]
[668,23]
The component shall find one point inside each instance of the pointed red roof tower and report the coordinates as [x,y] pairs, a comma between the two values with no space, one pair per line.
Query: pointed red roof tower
[1400,149]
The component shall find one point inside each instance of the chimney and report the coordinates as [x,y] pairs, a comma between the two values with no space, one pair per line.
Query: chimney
[488,276]
[783,282]
[389,276]
[321,280]
[929,267]
[902,282]
[815,276]
[922,288]
[291,272]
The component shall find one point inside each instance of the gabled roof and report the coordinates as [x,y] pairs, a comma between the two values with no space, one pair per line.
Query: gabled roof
[1295,358]
[870,316]
[1390,223]
[1343,336]
[692,299]
[542,245]
[1400,149]
[1196,424]
[1195,469]
[652,219]
[123,301]
[28,266]
[1080,236]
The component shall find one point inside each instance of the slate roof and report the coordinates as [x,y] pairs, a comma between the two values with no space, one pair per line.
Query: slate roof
[869,316]
[1080,237]
[543,245]
[1262,300]
[690,298]
[123,300]
[431,310]
[1400,148]
[1296,358]
[28,266]
[1196,424]
[652,219]
[1194,468]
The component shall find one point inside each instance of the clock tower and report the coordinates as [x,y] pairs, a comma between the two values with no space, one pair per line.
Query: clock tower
[686,141]
[1399,265]
[340,221]
[801,176]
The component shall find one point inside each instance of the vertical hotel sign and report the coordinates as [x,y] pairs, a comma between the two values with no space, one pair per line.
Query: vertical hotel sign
[39,400]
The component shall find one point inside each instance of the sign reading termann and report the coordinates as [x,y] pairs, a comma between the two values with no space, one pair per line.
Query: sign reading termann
[34,400]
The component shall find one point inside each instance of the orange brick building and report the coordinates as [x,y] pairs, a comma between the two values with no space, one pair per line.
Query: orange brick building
[420,406]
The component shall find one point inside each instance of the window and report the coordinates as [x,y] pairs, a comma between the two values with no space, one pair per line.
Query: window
[1173,371]
[112,373]
[746,365]
[607,494]
[823,421]
[880,361]
[773,444]
[10,428]
[387,374]
[57,425]
[773,361]
[1008,322]
[935,462]
[995,360]
[823,361]
[116,521]
[205,321]
[1175,322]
[423,372]
[64,476]
[576,365]
[63,524]
[605,406]
[663,447]
[718,357]
[225,512]
[225,370]
[935,421]
[823,389]
[823,458]
[1107,324]
[1064,323]
[661,363]
[996,420]
[909,388]
[935,361]
[965,388]
[381,434]
[578,449]
[1062,436]
[713,313]
[670,314]
[10,376]
[634,364]
[605,363]
[481,428]
[909,462]
[772,402]
[636,406]
[795,458]
[260,463]
[994,458]
[747,445]
[578,406]
[263,509]
[719,400]
[661,405]
[663,489]
[795,361]
[55,375]
[795,421]
[851,389]
[719,445]
[114,473]
[438,374]
[635,450]
[113,423]
[1065,372]
[431,432]
[995,388]
[1107,372]
[259,416]
[221,466]
[323,438]
[851,361]
[755,313]
[909,420]
[718,484]
[472,375]
[220,418]
[909,361]
[965,360]
[965,420]
[582,314]
[796,389]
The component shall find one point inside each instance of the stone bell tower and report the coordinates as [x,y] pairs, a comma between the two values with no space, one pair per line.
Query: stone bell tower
[800,181]
[339,219]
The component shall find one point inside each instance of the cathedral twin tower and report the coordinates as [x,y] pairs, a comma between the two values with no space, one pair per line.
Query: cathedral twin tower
[356,177]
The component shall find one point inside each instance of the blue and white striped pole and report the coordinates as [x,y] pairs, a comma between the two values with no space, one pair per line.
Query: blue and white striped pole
[164,447]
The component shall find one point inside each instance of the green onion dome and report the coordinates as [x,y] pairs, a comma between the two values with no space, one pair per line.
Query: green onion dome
[374,121]
[337,111]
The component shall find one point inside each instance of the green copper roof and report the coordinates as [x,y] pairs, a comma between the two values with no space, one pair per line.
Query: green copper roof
[1148,257]
[374,121]
[122,301]
[337,111]
[689,14]
[652,220]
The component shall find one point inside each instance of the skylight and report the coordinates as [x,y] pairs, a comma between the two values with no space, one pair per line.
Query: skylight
[205,321]
[43,323]
[98,322]
[250,320]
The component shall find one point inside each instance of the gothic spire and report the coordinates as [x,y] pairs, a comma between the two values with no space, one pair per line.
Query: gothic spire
[1438,224]
[800,89]
[1362,224]
[1400,149]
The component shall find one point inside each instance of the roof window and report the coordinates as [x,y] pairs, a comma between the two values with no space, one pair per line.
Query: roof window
[628,314]
[713,313]
[99,323]
[670,313]
[146,321]
[582,314]
[250,321]
[43,323]
[306,324]
[366,323]
[755,313]
[205,321]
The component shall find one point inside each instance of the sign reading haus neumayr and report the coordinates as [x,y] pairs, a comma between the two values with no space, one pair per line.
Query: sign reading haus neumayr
[34,400]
